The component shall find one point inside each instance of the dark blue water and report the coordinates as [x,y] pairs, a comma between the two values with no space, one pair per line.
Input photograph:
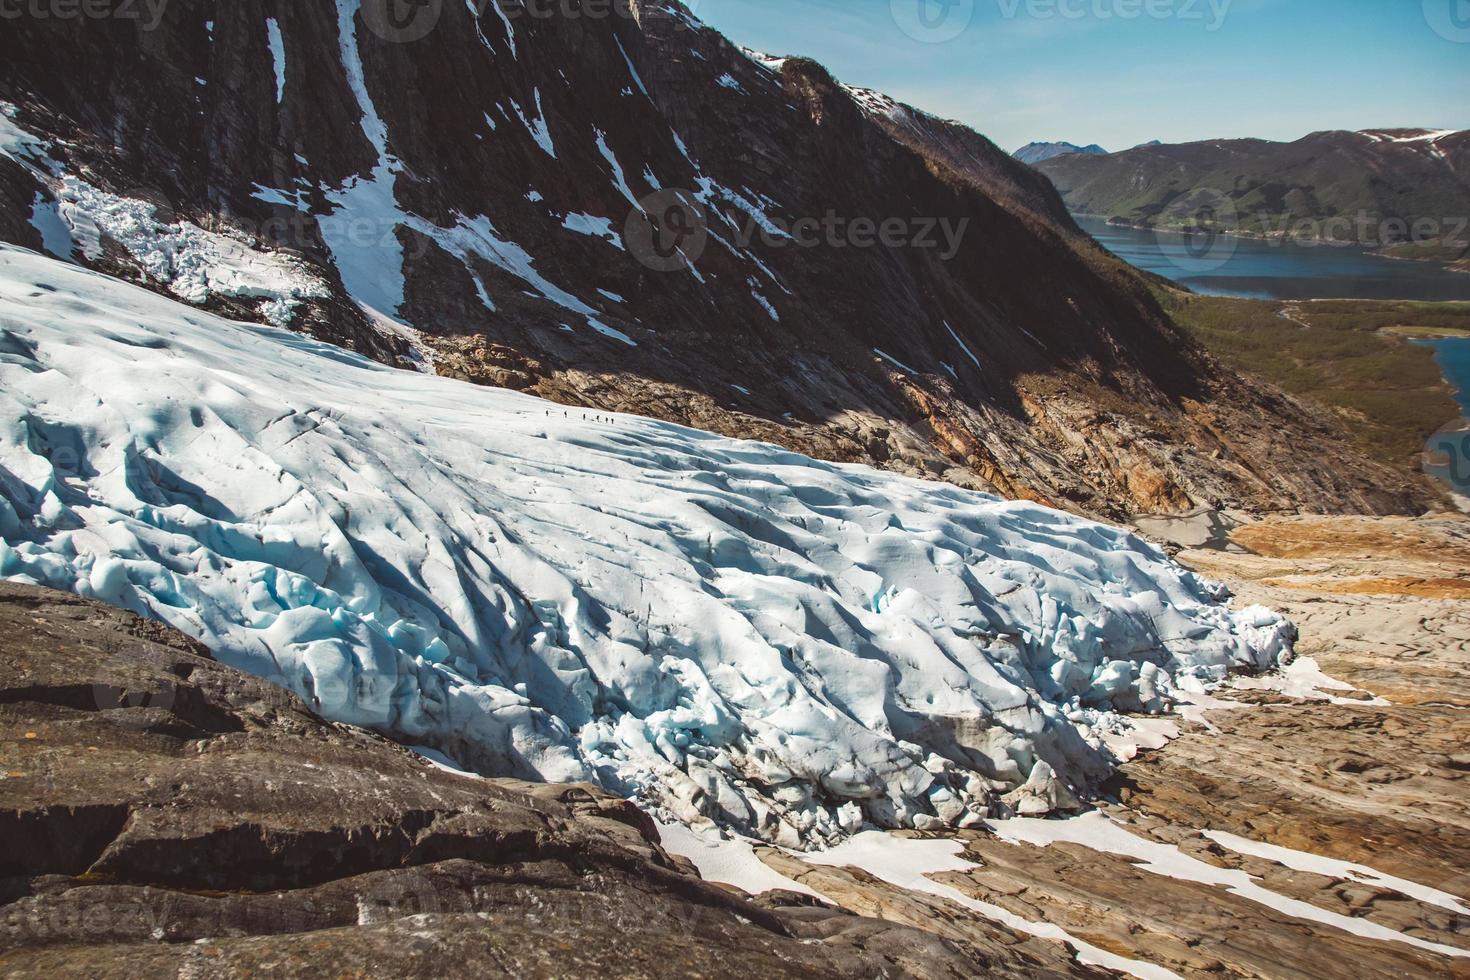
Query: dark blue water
[1448,450]
[1257,269]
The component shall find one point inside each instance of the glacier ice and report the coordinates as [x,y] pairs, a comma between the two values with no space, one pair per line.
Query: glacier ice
[723,629]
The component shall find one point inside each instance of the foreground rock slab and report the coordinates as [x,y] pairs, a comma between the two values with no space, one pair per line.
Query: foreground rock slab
[163,814]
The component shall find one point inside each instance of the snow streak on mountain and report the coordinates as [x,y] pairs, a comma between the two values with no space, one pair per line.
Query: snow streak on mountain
[723,628]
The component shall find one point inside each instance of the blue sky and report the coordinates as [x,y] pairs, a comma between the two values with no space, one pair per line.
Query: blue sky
[1178,70]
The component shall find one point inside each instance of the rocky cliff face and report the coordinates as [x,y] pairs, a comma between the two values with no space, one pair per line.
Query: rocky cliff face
[611,206]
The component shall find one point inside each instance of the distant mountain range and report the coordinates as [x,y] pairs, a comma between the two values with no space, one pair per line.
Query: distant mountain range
[1406,191]
[1034,153]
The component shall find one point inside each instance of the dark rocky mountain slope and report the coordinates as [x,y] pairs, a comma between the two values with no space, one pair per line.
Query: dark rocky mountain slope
[166,815]
[598,206]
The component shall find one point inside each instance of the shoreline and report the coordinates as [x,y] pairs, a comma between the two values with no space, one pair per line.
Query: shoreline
[1460,266]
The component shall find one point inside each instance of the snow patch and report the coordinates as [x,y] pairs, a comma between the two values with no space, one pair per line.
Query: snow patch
[1303,679]
[278,56]
[729,861]
[537,127]
[908,863]
[594,227]
[1098,832]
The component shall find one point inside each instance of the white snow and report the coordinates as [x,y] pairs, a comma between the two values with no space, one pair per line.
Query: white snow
[594,227]
[55,235]
[895,362]
[908,863]
[723,629]
[1424,136]
[963,346]
[710,190]
[537,127]
[510,30]
[1098,832]
[193,263]
[729,81]
[442,762]
[362,231]
[766,61]
[610,332]
[637,79]
[278,56]
[755,294]
[1332,868]
[730,861]
[619,180]
[1302,678]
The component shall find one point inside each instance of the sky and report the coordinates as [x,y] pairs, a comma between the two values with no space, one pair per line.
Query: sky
[1123,72]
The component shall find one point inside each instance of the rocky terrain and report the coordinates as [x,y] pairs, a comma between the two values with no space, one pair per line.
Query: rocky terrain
[599,209]
[166,815]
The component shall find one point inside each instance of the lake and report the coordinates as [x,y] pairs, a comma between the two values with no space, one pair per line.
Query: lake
[1259,269]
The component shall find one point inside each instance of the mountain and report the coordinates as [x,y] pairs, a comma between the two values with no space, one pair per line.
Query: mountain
[626,212]
[1399,189]
[722,629]
[1034,153]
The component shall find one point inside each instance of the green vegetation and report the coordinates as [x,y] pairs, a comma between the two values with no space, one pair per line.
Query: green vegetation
[1426,333]
[1350,355]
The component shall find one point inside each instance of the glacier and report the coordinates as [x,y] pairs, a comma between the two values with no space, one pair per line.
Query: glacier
[723,630]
